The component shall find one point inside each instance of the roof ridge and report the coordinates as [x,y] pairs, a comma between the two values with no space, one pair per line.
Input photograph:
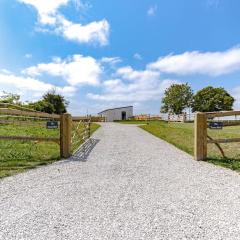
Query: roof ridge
[114,109]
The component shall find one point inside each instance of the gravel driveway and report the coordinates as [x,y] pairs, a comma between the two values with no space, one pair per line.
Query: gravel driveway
[132,186]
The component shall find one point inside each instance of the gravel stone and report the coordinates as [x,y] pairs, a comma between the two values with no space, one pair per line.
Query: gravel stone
[132,186]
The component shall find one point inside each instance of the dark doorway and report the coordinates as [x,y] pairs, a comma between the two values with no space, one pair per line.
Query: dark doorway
[124,116]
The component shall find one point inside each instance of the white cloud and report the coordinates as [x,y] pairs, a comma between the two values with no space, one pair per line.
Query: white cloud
[132,86]
[5,71]
[76,70]
[82,6]
[209,63]
[111,60]
[66,90]
[152,10]
[47,9]
[130,74]
[120,92]
[92,32]
[30,88]
[137,56]
[52,21]
[28,55]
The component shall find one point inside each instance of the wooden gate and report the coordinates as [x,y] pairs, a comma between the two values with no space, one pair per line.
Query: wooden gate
[23,116]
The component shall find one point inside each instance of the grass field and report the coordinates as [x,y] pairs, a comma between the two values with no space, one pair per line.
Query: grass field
[182,136]
[17,156]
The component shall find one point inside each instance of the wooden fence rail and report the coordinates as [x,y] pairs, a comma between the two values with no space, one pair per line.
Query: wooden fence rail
[66,121]
[17,112]
[230,140]
[13,106]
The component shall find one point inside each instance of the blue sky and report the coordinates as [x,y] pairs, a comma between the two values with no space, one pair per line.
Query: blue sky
[109,53]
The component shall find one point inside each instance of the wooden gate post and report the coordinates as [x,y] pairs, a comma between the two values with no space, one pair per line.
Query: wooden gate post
[65,135]
[200,138]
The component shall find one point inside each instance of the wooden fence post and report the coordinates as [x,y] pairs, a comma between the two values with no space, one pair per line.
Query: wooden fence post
[200,138]
[65,135]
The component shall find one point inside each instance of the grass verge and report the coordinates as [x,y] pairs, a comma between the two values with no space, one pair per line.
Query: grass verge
[18,156]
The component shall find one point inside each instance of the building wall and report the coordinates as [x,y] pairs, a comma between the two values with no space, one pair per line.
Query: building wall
[116,114]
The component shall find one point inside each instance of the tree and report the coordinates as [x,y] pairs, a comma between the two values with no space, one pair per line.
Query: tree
[10,98]
[176,98]
[51,103]
[212,99]
[58,101]
[42,106]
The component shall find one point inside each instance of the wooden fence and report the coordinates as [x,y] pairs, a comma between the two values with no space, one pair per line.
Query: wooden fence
[177,118]
[7,116]
[145,117]
[201,138]
[185,117]
[93,119]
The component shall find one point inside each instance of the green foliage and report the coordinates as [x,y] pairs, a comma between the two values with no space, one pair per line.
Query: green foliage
[177,98]
[211,99]
[50,103]
[10,98]
[42,106]
[57,101]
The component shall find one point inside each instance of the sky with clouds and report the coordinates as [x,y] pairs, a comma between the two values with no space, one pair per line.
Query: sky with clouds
[110,53]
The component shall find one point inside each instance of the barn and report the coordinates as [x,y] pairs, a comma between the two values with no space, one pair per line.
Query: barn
[120,113]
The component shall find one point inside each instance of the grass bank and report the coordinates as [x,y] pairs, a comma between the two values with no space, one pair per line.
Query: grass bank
[181,135]
[18,156]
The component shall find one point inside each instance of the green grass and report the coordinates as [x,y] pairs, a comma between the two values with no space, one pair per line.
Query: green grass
[131,122]
[181,135]
[76,144]
[178,134]
[94,127]
[18,156]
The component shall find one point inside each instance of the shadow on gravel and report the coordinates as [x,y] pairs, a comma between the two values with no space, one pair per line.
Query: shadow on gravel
[83,152]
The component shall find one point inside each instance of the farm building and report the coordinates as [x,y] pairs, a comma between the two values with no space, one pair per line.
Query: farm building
[120,113]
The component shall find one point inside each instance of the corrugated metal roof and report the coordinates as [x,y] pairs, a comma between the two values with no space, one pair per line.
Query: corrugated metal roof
[114,109]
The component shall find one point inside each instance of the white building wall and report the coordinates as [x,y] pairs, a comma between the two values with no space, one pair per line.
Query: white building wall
[116,114]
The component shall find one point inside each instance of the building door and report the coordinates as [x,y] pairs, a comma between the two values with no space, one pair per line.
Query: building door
[124,116]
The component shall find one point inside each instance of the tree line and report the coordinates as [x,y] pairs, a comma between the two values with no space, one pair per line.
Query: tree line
[179,97]
[51,102]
